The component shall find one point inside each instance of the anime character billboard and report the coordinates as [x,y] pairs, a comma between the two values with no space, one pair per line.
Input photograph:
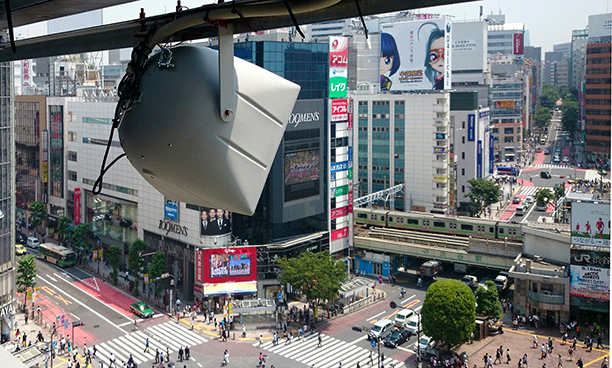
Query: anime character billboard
[415,55]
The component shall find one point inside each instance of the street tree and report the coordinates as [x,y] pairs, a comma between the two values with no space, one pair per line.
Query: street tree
[570,116]
[62,228]
[157,268]
[543,196]
[317,276]
[487,301]
[549,96]
[136,261]
[113,256]
[26,275]
[80,239]
[482,194]
[542,116]
[38,213]
[451,304]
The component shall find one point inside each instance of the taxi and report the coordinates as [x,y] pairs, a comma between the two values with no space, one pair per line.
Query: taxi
[20,250]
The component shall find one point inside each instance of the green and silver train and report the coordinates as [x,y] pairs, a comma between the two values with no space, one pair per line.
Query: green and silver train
[429,222]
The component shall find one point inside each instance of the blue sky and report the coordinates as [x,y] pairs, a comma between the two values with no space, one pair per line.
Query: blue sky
[548,21]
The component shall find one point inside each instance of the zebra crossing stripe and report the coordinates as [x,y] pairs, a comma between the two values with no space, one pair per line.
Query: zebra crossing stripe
[101,351]
[134,348]
[162,336]
[171,332]
[346,353]
[313,347]
[153,344]
[119,351]
[323,353]
[364,355]
[197,339]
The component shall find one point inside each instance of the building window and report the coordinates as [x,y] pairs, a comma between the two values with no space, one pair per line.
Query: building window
[463,125]
[72,156]
[463,139]
[509,139]
[462,171]
[463,155]
[72,136]
[463,189]
[508,130]
[72,175]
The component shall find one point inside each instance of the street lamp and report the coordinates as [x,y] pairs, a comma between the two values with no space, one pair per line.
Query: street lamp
[32,285]
[418,343]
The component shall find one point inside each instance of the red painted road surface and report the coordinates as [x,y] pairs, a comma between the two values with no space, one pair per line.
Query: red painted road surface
[107,294]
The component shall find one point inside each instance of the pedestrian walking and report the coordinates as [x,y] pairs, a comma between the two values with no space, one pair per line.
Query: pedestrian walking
[146,349]
[321,342]
[535,341]
[260,340]
[180,354]
[95,350]
[560,364]
[544,351]
[579,363]
[187,352]
[485,359]
[156,355]
[490,363]
[226,356]
[371,360]
[604,363]
[111,360]
[571,353]
[167,354]
[508,356]
[497,357]
[161,357]
[599,342]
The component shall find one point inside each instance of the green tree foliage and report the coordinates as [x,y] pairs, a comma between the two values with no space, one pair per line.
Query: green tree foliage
[549,96]
[482,194]
[113,256]
[560,191]
[26,274]
[80,238]
[542,116]
[570,116]
[448,313]
[157,268]
[136,261]
[62,228]
[317,276]
[487,300]
[543,196]
[38,213]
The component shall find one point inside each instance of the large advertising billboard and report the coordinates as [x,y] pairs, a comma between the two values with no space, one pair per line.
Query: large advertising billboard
[591,224]
[590,282]
[517,44]
[215,221]
[301,167]
[338,66]
[415,55]
[228,264]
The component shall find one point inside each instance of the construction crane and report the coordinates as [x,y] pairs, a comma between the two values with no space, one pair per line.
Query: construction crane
[384,194]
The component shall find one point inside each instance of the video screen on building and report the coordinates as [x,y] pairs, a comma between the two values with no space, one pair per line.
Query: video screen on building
[215,221]
[229,264]
[302,166]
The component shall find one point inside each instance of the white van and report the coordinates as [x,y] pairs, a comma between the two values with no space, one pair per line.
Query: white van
[33,242]
[414,324]
[401,318]
[380,328]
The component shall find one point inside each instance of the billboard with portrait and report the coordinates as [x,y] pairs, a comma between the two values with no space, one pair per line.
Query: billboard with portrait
[301,166]
[590,282]
[215,221]
[591,224]
[230,264]
[415,55]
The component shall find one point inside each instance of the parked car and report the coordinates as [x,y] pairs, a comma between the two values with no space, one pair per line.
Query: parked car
[402,317]
[20,250]
[379,329]
[32,242]
[396,338]
[545,175]
[470,280]
[431,268]
[142,310]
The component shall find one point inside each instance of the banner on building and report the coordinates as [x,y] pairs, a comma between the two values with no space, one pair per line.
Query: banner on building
[27,75]
[171,210]
[591,224]
[339,110]
[504,104]
[517,42]
[471,136]
[77,206]
[339,233]
[590,282]
[338,66]
[339,212]
[415,55]
[479,159]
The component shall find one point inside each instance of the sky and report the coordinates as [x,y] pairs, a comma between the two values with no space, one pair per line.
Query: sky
[548,22]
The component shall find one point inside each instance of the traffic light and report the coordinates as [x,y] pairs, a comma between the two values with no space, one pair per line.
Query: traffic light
[77,323]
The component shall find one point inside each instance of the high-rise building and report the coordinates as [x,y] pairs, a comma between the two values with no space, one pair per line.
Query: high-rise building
[597,89]
[470,69]
[7,203]
[580,38]
[505,38]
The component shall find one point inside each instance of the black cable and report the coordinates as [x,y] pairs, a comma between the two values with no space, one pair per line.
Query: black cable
[103,167]
[9,20]
[365,29]
[295,23]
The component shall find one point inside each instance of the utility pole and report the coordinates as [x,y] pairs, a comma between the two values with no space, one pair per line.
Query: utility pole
[51,345]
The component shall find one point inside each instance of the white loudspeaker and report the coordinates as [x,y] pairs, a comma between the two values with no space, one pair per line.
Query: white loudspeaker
[173,135]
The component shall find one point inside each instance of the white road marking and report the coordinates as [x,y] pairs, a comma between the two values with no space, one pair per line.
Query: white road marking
[74,315]
[404,349]
[371,318]
[83,305]
[406,300]
[51,278]
[111,308]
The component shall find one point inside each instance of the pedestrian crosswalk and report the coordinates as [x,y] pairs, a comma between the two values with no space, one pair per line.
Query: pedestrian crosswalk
[552,166]
[531,191]
[330,354]
[168,335]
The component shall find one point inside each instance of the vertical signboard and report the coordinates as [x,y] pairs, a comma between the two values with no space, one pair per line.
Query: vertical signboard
[77,206]
[26,76]
[415,55]
[471,135]
[339,110]
[479,159]
[199,265]
[517,43]
[338,66]
[171,211]
[491,153]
